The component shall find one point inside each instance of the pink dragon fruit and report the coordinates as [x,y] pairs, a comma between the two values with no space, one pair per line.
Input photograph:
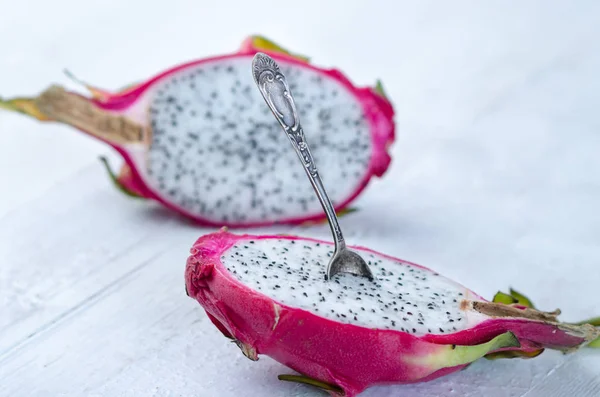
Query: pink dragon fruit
[198,139]
[410,324]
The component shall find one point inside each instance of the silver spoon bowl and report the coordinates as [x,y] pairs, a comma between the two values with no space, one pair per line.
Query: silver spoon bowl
[276,93]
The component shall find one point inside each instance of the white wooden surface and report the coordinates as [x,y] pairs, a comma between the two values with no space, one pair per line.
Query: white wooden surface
[495,183]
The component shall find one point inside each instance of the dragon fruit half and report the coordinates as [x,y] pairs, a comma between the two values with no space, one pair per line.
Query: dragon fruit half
[409,324]
[198,139]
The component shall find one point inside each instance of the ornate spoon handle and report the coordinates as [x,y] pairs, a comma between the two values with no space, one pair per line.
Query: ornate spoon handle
[276,92]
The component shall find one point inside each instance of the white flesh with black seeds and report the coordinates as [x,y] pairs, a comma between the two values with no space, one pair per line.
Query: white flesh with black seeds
[218,152]
[402,297]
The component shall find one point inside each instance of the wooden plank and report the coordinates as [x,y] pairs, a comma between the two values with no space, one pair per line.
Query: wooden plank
[116,314]
[141,335]
[63,247]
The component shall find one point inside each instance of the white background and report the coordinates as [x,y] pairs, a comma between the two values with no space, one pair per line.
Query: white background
[495,183]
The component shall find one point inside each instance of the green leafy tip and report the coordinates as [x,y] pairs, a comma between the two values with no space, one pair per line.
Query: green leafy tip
[596,323]
[379,89]
[593,321]
[506,299]
[96,92]
[70,75]
[521,299]
[116,181]
[513,297]
[594,344]
[346,211]
[454,355]
[23,105]
[263,43]
[312,382]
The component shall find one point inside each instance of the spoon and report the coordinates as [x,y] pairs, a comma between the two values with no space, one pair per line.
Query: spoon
[276,93]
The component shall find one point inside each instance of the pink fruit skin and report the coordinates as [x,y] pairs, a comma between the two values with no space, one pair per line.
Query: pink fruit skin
[350,356]
[378,110]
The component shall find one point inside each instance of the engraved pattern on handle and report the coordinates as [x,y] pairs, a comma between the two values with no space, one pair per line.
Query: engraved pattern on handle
[276,91]
[277,94]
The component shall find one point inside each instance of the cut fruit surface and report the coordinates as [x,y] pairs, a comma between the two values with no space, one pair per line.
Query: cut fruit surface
[199,139]
[410,324]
